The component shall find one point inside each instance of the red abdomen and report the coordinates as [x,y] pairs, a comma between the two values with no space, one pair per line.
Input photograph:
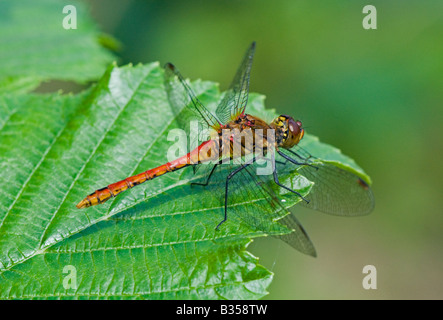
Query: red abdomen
[207,151]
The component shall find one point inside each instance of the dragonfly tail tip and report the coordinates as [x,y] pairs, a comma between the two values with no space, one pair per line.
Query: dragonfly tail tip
[83,204]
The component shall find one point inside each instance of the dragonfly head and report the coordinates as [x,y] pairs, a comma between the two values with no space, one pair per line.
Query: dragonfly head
[288,132]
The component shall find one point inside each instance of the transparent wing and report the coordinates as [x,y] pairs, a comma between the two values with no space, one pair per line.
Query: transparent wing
[236,97]
[252,200]
[298,239]
[336,191]
[182,97]
[191,115]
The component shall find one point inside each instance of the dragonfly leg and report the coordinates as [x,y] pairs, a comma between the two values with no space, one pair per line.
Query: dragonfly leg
[207,180]
[299,156]
[285,187]
[233,173]
[276,176]
[288,158]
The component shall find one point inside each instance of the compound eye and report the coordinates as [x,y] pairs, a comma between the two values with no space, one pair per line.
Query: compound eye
[294,127]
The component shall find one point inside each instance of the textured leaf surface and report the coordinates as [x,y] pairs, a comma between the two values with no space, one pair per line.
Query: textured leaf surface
[156,241]
[35,46]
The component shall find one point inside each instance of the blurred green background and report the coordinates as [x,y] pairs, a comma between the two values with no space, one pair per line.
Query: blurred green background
[375,94]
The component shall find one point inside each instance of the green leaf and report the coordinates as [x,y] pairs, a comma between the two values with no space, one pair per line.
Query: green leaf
[20,84]
[35,46]
[156,241]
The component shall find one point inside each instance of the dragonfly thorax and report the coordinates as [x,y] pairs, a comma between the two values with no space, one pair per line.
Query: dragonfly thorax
[288,132]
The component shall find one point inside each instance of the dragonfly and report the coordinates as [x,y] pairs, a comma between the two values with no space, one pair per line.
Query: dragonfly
[335,190]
